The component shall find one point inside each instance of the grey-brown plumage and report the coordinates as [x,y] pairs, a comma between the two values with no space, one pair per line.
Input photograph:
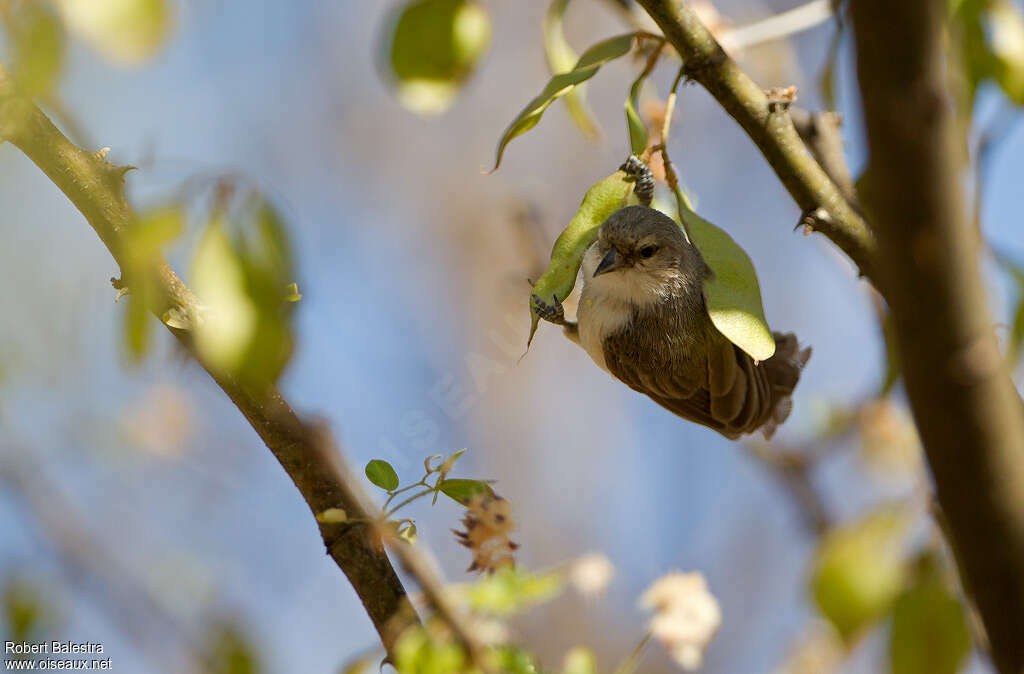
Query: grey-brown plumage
[642,318]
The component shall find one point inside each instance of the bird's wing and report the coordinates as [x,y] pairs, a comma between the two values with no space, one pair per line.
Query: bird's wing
[733,399]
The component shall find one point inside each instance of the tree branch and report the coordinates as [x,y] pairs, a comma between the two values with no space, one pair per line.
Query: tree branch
[96,188]
[768,126]
[969,415]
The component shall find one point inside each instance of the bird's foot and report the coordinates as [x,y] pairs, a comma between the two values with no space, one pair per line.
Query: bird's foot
[550,312]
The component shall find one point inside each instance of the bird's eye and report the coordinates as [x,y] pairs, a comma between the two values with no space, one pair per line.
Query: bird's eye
[648,251]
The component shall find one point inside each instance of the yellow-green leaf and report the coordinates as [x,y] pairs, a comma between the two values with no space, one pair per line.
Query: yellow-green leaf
[859,570]
[580,660]
[559,85]
[561,58]
[125,31]
[510,590]
[435,45]
[638,134]
[733,295]
[144,243]
[929,633]
[37,48]
[1006,24]
[600,201]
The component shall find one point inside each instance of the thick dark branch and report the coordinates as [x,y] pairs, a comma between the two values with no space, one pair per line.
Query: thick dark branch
[969,415]
[768,126]
[96,188]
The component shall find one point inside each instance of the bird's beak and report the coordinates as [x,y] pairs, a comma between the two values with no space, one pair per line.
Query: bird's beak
[611,261]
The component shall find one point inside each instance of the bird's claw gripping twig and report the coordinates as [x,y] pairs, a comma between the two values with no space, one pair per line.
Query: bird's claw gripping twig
[552,313]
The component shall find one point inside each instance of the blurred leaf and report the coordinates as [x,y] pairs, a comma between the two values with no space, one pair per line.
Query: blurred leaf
[417,653]
[559,85]
[241,277]
[1006,27]
[732,295]
[434,47]
[638,135]
[463,490]
[380,473]
[218,278]
[510,590]
[561,58]
[37,48]
[579,661]
[24,608]
[601,200]
[125,31]
[860,569]
[929,633]
[512,660]
[991,38]
[229,651]
[145,241]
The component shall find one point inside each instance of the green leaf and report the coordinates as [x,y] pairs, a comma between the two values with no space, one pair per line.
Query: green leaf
[417,653]
[561,58]
[228,650]
[408,533]
[512,660]
[462,490]
[580,660]
[929,633]
[601,200]
[638,134]
[145,241]
[129,32]
[559,85]
[37,48]
[232,320]
[25,610]
[380,473]
[732,295]
[434,48]
[859,570]
[509,591]
[1006,27]
[241,267]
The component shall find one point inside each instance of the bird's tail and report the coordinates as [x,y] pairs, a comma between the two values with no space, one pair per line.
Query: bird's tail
[783,370]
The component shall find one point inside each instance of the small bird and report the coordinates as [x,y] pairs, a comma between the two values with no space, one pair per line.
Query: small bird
[642,318]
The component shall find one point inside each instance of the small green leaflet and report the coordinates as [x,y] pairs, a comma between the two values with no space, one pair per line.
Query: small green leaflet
[381,473]
[733,296]
[559,85]
[637,129]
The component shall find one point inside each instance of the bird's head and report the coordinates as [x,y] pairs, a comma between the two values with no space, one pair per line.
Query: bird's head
[642,255]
